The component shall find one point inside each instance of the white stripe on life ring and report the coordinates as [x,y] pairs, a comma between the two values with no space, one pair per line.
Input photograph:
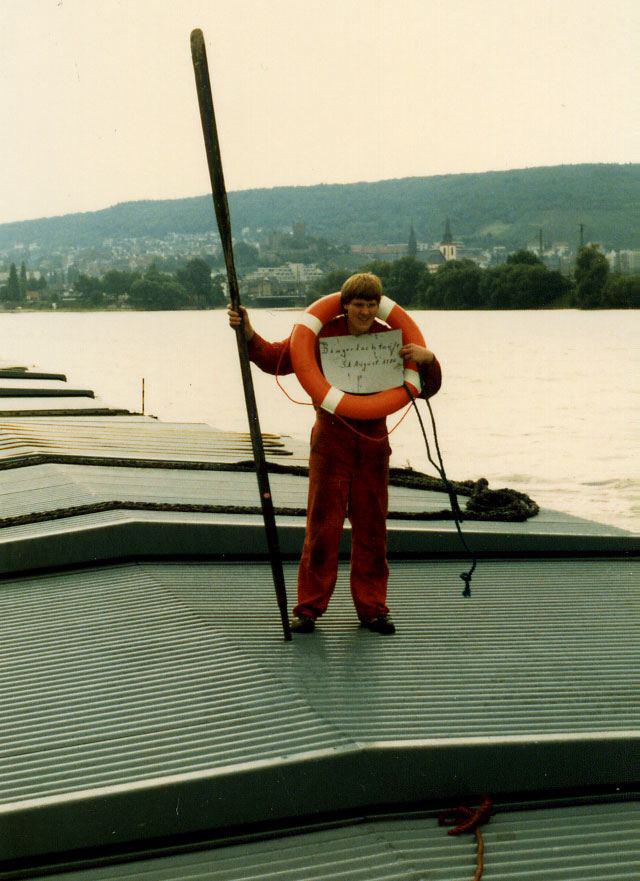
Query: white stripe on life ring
[314,324]
[332,399]
[385,307]
[413,377]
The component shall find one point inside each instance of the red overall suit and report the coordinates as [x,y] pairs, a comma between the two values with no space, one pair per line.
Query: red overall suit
[348,477]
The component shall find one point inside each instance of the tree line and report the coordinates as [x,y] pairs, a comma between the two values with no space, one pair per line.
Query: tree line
[18,282]
[523,282]
[189,287]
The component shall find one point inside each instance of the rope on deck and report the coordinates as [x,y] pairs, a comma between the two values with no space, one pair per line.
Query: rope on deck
[117,505]
[504,505]
[465,819]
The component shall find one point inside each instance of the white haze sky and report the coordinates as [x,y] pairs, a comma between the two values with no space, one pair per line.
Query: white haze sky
[98,101]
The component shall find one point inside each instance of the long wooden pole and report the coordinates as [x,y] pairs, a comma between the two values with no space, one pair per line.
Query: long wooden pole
[219,193]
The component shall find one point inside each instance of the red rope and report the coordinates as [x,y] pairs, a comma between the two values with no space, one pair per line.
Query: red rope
[280,386]
[372,437]
[464,819]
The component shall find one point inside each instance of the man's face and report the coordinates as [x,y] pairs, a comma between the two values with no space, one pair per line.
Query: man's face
[360,315]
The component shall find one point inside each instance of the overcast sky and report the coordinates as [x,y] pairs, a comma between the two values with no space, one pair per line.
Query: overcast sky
[99,106]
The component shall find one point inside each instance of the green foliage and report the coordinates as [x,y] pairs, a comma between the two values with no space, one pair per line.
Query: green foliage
[30,282]
[246,255]
[405,280]
[23,280]
[87,284]
[12,291]
[195,278]
[118,282]
[526,257]
[217,293]
[329,283]
[622,292]
[485,209]
[461,284]
[522,286]
[591,274]
[156,290]
[456,285]
[190,288]
[89,290]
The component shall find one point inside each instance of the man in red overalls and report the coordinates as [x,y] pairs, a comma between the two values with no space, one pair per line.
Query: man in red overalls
[348,472]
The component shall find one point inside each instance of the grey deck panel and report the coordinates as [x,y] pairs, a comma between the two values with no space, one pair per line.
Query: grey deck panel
[49,403]
[523,673]
[102,661]
[129,687]
[80,420]
[21,373]
[584,843]
[34,391]
[49,486]
[127,534]
[144,439]
[25,381]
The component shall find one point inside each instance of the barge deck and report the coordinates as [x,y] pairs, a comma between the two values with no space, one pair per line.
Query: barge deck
[155,723]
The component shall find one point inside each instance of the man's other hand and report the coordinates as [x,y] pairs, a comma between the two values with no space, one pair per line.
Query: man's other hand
[419,354]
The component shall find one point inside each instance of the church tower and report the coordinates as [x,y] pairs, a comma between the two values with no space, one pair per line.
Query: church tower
[448,247]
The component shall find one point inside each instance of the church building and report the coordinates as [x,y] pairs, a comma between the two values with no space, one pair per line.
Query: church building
[448,248]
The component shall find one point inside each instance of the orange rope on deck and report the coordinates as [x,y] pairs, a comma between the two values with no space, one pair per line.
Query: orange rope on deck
[479,856]
[465,819]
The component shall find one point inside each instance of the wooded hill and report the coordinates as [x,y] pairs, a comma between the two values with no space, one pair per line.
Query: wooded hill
[492,208]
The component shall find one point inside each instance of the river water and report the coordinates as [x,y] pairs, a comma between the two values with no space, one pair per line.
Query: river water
[541,401]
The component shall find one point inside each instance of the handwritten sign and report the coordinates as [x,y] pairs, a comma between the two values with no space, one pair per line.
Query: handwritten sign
[363,364]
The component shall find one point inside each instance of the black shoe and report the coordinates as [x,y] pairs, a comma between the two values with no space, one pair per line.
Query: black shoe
[302,624]
[382,624]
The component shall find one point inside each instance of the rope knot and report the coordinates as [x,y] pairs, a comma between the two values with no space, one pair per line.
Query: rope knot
[466,577]
[465,819]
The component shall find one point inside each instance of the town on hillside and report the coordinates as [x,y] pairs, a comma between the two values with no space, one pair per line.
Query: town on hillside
[290,268]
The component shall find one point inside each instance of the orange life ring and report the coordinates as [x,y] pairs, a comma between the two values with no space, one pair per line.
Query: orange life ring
[305,363]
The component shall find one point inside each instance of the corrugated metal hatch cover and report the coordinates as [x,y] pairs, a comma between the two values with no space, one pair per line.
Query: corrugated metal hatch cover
[127,688]
[135,438]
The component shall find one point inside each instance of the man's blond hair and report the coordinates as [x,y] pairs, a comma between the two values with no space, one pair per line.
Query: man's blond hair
[362,285]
